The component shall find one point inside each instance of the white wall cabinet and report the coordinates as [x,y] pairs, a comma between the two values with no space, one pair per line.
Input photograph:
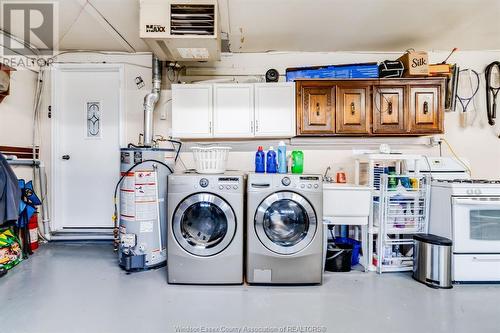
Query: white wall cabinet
[193,115]
[275,109]
[233,110]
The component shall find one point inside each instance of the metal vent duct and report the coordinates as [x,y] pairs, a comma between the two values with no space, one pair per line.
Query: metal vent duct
[192,20]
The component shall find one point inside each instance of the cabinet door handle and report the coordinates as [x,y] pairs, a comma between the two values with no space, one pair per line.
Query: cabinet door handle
[426,108]
[210,126]
[317,109]
[353,108]
[389,108]
[256,126]
[251,126]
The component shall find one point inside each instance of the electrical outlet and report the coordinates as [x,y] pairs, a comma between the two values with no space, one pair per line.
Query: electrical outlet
[435,140]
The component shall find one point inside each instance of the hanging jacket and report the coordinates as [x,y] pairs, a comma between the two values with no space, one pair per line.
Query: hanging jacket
[10,193]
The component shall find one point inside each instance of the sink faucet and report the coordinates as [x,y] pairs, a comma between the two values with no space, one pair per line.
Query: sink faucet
[326,178]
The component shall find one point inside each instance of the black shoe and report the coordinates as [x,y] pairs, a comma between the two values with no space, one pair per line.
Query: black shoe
[3,271]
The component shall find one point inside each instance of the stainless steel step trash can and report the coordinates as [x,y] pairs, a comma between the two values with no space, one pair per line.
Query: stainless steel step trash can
[432,260]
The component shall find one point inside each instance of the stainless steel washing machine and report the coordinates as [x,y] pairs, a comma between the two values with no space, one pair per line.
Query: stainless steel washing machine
[284,229]
[205,229]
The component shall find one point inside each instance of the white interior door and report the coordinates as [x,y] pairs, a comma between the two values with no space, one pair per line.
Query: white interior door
[86,142]
[233,110]
[275,109]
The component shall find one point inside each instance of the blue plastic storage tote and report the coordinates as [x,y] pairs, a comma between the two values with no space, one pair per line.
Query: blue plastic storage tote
[356,247]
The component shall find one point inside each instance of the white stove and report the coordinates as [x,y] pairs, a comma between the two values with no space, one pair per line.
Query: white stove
[468,212]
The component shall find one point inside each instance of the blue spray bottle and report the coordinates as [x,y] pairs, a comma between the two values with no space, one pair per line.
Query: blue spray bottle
[282,167]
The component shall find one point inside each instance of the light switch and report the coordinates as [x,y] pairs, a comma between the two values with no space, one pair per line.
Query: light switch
[163,113]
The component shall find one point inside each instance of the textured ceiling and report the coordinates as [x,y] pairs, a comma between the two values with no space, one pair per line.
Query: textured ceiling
[301,25]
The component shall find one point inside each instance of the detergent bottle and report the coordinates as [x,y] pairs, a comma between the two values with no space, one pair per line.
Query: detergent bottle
[260,160]
[282,167]
[271,161]
[297,161]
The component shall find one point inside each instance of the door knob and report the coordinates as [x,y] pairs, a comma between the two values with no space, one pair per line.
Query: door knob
[65,157]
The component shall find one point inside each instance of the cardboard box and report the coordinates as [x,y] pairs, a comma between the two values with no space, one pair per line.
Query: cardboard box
[416,63]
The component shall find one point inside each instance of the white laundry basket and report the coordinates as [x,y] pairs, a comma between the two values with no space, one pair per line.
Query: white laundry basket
[210,159]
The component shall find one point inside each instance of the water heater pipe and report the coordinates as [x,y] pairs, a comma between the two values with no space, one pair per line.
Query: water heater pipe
[150,101]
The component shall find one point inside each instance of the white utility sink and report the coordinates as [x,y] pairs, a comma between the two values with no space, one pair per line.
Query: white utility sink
[346,204]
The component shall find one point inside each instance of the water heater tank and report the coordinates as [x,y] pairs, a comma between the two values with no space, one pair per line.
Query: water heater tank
[143,207]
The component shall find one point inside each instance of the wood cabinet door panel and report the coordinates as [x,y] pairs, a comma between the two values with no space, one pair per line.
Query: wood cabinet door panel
[316,109]
[424,110]
[388,110]
[351,111]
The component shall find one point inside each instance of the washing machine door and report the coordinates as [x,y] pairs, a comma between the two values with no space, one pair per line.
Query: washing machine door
[204,224]
[285,222]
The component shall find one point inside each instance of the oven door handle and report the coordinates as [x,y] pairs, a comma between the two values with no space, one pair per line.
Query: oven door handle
[477,202]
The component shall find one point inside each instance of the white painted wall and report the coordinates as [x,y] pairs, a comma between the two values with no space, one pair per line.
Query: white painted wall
[16,115]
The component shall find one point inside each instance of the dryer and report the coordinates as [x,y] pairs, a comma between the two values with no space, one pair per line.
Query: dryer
[284,229]
[205,229]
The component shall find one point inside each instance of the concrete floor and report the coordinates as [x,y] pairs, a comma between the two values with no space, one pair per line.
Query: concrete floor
[79,288]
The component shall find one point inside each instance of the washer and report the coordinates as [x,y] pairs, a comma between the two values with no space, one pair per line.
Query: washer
[205,229]
[284,229]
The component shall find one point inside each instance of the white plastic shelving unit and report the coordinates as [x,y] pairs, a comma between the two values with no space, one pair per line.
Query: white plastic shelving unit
[400,212]
[369,170]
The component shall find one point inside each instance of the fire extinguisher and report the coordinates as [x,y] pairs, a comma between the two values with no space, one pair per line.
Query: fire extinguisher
[33,231]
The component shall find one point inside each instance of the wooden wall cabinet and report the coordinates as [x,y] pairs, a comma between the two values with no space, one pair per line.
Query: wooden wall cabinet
[352,106]
[388,110]
[370,107]
[315,108]
[425,115]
